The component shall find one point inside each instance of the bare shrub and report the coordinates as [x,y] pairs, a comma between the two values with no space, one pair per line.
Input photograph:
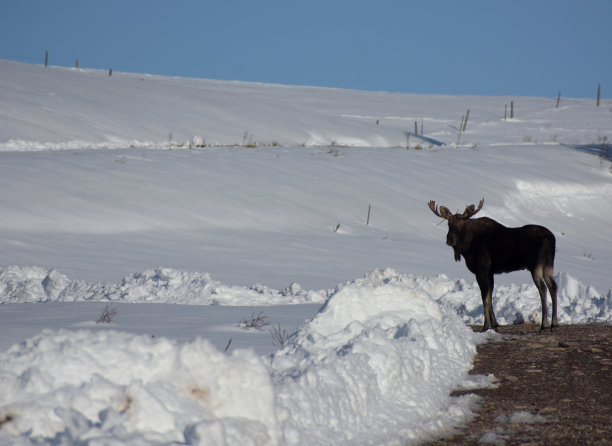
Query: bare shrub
[279,336]
[107,315]
[248,141]
[257,322]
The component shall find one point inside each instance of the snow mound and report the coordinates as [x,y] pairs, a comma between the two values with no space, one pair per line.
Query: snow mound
[373,366]
[376,365]
[111,388]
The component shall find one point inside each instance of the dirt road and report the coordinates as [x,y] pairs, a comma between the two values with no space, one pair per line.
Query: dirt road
[553,388]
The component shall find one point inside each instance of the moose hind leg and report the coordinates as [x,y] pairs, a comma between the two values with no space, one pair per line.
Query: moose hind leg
[494,324]
[552,288]
[538,279]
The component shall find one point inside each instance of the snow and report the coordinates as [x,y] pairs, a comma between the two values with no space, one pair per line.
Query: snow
[378,359]
[396,353]
[520,417]
[190,205]
[168,388]
[507,425]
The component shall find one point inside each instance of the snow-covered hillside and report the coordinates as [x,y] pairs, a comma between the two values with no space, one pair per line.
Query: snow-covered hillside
[46,108]
[226,199]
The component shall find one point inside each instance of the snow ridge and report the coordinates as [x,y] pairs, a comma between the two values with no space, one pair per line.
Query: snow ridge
[161,285]
[513,304]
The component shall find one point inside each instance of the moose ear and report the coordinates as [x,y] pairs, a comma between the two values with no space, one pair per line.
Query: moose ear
[472,210]
[445,213]
[469,211]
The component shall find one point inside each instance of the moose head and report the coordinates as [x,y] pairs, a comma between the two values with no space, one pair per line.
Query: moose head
[458,237]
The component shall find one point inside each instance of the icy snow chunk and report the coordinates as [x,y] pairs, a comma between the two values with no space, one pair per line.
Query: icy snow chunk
[54,284]
[492,438]
[521,417]
[31,284]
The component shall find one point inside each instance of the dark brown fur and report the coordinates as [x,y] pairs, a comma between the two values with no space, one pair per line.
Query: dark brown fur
[490,248]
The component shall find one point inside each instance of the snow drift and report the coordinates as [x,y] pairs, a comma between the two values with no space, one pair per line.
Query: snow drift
[396,354]
[375,366]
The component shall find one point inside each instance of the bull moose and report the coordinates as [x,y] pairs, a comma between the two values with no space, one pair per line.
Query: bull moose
[489,248]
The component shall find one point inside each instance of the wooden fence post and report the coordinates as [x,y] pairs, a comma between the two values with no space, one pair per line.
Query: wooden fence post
[598,93]
[46,58]
[467,115]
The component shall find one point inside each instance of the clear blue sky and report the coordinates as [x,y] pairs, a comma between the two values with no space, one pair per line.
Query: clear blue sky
[483,47]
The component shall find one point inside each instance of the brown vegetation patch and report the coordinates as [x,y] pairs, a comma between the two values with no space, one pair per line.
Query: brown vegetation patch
[6,418]
[198,393]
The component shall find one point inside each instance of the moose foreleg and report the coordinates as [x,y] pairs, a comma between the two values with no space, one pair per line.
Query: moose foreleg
[485,282]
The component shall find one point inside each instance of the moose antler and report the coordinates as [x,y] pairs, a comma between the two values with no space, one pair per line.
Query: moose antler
[471,210]
[442,213]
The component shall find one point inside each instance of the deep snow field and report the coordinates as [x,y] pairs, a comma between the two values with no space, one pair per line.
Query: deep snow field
[191,207]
